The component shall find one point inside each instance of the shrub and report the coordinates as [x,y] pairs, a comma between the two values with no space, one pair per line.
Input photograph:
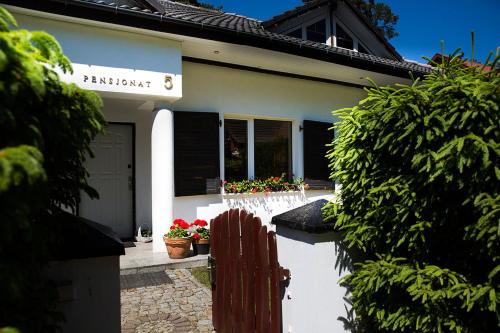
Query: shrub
[420,172]
[45,130]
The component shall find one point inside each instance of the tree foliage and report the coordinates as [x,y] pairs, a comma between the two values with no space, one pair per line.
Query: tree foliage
[45,130]
[381,15]
[419,166]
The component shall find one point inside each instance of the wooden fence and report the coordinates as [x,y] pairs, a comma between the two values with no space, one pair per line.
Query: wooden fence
[245,273]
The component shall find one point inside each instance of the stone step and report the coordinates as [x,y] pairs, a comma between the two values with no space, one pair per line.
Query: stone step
[148,265]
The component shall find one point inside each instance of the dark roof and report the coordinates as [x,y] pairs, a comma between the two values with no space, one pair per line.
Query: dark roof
[300,10]
[181,19]
[83,238]
[308,218]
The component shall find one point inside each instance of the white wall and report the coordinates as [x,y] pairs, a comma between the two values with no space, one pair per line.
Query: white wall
[313,300]
[105,47]
[233,92]
[238,93]
[89,292]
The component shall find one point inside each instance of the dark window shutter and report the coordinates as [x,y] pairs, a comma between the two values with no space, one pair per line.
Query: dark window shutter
[316,137]
[196,151]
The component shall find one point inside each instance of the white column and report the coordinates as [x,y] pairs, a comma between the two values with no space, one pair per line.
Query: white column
[162,174]
[250,148]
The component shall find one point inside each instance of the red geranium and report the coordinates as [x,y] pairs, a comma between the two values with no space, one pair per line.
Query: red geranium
[200,223]
[181,223]
[196,236]
[172,227]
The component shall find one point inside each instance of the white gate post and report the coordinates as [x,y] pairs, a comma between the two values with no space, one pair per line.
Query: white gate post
[307,246]
[162,174]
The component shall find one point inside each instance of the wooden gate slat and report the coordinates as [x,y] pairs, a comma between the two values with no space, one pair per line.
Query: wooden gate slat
[234,252]
[214,235]
[248,273]
[275,325]
[262,281]
[220,274]
[226,287]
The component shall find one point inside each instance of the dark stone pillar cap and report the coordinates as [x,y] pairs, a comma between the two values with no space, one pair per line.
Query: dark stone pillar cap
[308,218]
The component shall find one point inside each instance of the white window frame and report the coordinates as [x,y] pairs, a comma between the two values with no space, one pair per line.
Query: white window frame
[316,19]
[251,143]
[303,26]
[355,39]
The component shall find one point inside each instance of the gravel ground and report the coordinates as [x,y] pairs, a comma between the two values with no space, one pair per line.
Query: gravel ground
[182,306]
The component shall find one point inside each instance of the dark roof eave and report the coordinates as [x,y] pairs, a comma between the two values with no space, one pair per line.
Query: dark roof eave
[158,22]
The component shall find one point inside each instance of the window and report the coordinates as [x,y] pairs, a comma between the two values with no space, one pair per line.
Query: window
[271,145]
[273,148]
[235,149]
[297,33]
[343,38]
[361,49]
[317,32]
[196,151]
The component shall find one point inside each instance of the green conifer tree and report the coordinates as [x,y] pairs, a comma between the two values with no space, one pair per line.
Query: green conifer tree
[419,166]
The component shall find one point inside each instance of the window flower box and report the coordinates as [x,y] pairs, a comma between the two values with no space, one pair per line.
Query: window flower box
[267,186]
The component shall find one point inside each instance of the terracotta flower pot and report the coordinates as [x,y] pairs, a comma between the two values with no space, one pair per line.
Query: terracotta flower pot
[201,246]
[177,248]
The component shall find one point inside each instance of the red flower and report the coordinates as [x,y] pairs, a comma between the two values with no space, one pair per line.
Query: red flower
[196,236]
[254,190]
[181,223]
[172,227]
[200,223]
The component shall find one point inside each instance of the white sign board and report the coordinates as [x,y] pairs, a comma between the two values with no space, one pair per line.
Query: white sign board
[125,81]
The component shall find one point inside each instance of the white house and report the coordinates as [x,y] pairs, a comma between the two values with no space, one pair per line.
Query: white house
[194,95]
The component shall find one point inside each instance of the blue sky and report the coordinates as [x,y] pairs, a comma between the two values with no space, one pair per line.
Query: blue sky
[422,24]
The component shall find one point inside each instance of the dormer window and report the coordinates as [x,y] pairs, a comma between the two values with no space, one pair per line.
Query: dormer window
[343,39]
[316,32]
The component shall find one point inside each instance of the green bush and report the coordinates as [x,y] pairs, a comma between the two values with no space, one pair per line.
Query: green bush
[45,130]
[420,172]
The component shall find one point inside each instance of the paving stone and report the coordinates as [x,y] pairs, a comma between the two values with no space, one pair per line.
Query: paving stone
[183,305]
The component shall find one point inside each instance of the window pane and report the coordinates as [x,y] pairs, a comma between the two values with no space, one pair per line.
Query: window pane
[235,149]
[296,33]
[273,148]
[317,32]
[343,39]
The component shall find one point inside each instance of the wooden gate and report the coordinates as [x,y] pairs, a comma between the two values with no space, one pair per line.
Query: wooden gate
[245,275]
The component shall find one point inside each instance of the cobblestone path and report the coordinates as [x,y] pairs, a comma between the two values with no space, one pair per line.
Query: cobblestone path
[182,306]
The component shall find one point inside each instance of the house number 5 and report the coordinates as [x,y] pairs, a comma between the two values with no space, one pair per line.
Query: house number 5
[169,84]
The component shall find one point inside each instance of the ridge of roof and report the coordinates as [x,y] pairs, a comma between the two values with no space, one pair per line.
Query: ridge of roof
[194,21]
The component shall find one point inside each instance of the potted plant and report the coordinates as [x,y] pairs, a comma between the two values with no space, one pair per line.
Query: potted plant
[177,240]
[201,237]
